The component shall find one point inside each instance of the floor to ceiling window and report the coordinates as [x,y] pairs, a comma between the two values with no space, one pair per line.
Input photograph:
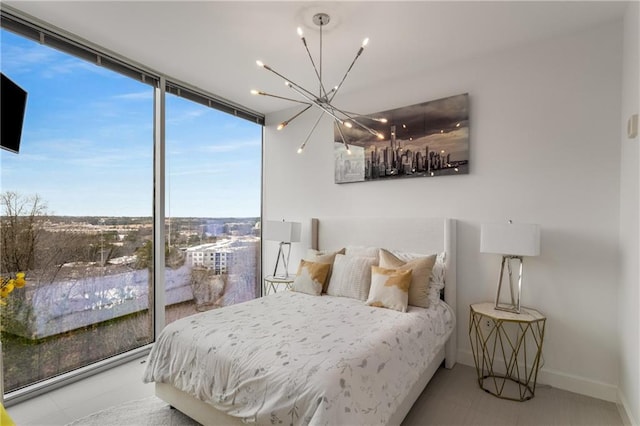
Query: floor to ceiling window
[77,209]
[76,205]
[213,167]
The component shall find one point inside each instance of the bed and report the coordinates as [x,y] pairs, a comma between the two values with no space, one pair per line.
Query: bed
[295,358]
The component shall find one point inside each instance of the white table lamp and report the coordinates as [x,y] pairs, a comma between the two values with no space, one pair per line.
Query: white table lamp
[286,233]
[513,241]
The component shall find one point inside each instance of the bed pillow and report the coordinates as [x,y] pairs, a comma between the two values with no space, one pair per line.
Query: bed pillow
[421,268]
[311,277]
[389,288]
[351,276]
[324,256]
[437,277]
[362,251]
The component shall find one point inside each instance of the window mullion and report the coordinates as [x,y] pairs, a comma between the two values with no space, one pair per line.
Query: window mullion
[159,208]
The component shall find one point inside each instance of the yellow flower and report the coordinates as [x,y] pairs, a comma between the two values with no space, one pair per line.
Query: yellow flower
[20,281]
[7,285]
[7,288]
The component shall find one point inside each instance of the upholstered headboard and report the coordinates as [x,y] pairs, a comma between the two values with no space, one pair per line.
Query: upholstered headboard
[415,235]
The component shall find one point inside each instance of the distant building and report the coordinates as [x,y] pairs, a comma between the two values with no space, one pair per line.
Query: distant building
[220,256]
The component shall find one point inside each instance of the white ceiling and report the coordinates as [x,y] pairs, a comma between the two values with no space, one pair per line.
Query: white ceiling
[214,45]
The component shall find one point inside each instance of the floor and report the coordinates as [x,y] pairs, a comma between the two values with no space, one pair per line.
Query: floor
[451,398]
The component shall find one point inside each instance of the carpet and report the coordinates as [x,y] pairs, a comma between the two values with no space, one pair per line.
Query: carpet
[149,411]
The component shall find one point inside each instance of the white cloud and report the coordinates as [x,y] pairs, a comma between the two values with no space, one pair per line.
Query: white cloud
[145,95]
[229,146]
[185,116]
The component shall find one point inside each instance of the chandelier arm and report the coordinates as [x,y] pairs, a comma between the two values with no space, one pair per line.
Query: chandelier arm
[350,117]
[285,98]
[310,133]
[347,73]
[311,95]
[316,103]
[368,129]
[298,114]
[344,141]
[320,56]
[323,91]
[366,117]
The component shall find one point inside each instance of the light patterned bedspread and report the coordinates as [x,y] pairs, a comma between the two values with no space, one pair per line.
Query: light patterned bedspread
[293,358]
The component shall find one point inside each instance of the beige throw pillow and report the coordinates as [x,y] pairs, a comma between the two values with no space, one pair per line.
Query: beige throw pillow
[420,273]
[323,257]
[311,277]
[389,288]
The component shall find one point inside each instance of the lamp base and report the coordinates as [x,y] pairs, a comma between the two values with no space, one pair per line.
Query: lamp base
[507,308]
[514,306]
[285,261]
[282,276]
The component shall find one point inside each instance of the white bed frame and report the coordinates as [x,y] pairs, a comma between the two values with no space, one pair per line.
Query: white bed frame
[416,235]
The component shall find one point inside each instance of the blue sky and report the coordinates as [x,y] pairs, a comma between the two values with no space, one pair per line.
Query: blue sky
[87,143]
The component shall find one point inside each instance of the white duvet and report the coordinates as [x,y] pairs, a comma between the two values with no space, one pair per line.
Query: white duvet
[292,358]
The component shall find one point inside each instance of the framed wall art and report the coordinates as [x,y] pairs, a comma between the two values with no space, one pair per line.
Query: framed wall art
[422,140]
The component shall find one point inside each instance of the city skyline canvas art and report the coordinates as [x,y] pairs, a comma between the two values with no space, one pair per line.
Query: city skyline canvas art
[423,140]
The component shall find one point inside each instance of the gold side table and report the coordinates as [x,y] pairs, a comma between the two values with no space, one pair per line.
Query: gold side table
[506,348]
[272,283]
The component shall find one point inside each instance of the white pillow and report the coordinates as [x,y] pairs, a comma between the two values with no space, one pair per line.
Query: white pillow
[437,277]
[311,277]
[389,288]
[362,251]
[351,276]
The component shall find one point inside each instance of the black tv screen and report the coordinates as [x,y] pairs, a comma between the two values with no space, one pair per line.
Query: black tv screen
[12,107]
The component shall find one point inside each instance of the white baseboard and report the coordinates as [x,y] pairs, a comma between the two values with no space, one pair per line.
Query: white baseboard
[559,380]
[625,411]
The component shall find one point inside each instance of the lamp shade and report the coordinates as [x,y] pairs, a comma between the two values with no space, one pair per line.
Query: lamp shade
[286,232]
[515,239]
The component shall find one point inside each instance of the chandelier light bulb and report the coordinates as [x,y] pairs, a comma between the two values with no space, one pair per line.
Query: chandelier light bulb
[260,64]
[348,124]
[282,125]
[380,136]
[300,33]
[348,151]
[365,42]
[383,120]
[255,92]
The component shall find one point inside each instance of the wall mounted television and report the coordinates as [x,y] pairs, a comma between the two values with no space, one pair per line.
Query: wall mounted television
[12,109]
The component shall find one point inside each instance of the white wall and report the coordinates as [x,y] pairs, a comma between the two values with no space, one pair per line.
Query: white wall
[629,291]
[545,132]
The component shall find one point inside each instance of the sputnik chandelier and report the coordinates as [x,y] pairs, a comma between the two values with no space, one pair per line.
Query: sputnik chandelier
[323,100]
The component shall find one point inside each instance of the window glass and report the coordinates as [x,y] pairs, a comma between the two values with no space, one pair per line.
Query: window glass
[76,215]
[213,169]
